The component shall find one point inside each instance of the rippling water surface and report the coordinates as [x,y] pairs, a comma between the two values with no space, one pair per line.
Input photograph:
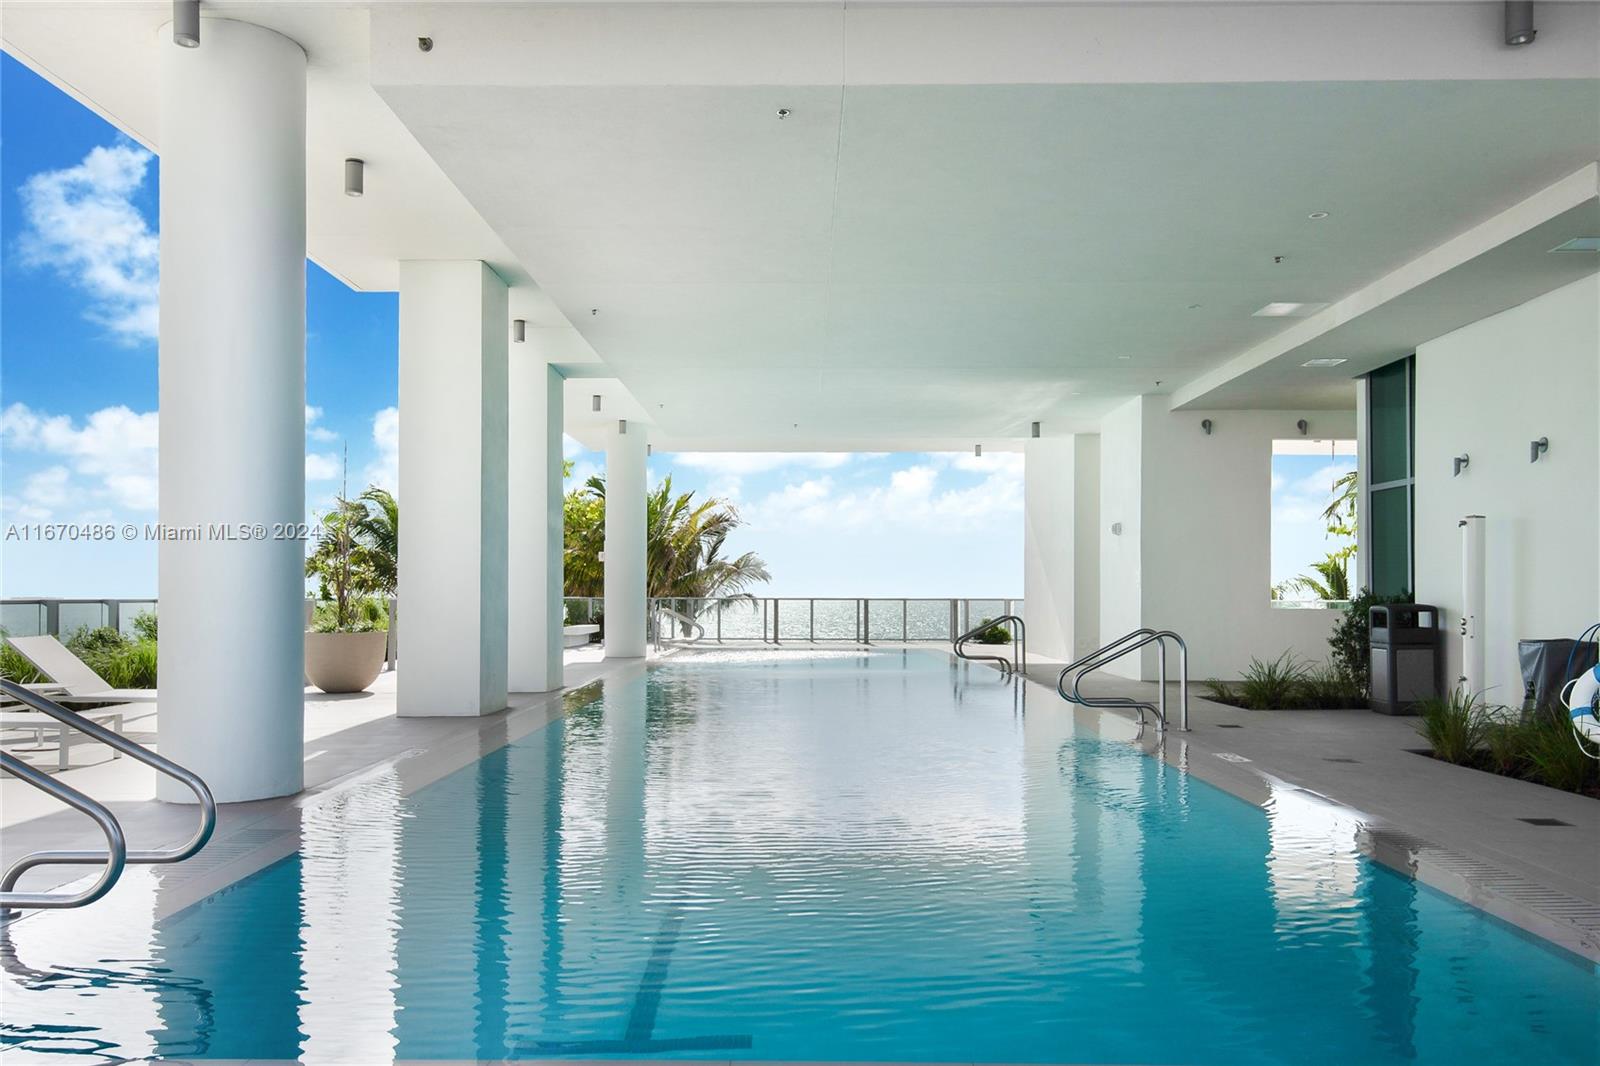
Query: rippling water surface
[838,857]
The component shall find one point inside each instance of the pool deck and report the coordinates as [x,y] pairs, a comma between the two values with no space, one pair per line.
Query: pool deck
[1462,831]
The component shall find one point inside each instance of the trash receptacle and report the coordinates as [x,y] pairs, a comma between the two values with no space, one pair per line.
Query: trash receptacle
[1405,656]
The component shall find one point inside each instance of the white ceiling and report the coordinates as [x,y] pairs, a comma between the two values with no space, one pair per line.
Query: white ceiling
[973,217]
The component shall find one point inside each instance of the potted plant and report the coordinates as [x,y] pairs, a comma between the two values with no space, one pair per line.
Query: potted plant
[346,641]
[995,633]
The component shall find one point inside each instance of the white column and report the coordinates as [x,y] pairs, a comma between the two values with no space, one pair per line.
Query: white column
[453,455]
[1061,545]
[625,542]
[232,400]
[535,563]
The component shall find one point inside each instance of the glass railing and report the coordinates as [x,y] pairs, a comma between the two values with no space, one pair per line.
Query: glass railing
[819,619]
[61,618]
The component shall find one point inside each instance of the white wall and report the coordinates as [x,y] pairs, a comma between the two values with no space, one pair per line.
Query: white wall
[1195,551]
[1487,390]
[1060,547]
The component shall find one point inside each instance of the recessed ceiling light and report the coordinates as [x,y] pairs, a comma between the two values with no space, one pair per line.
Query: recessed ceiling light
[1323,362]
[1319,215]
[1579,244]
[1124,357]
[1288,309]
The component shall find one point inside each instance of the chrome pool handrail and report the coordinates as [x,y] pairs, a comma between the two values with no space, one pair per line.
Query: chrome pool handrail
[1123,645]
[1018,662]
[191,780]
[115,855]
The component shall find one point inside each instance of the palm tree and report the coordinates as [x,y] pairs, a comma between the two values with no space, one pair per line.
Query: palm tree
[1331,581]
[379,529]
[684,542]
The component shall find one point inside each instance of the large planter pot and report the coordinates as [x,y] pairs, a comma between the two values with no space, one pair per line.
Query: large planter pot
[344,662]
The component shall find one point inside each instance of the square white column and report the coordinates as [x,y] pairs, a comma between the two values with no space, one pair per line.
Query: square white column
[535,564]
[1061,545]
[453,478]
[625,565]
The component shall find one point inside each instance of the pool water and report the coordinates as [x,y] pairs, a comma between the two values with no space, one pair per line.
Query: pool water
[844,857]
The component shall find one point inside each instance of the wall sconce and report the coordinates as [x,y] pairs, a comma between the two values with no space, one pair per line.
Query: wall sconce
[1205,426]
[1033,431]
[519,330]
[1303,426]
[1537,448]
[355,177]
[186,23]
[1461,462]
[594,404]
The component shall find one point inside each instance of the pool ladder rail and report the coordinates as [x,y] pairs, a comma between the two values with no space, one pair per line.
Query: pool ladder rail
[1011,667]
[1125,645]
[116,855]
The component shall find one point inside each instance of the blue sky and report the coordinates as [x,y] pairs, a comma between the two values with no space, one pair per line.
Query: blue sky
[78,391]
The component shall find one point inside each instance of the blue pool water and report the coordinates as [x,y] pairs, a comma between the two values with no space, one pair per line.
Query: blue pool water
[839,858]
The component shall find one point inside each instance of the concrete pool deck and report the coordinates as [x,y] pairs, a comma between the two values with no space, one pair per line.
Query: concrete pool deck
[1460,830]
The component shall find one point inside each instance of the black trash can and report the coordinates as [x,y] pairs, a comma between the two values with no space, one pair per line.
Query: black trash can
[1406,662]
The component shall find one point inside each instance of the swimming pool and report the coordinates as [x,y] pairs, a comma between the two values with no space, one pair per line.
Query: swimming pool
[840,857]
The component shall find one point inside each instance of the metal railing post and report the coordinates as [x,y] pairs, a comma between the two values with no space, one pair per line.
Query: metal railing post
[813,608]
[905,612]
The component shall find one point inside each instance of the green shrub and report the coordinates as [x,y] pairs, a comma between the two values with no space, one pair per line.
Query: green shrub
[1329,686]
[1553,757]
[362,615]
[1277,685]
[1505,745]
[1351,639]
[1455,726]
[1217,690]
[993,634]
[13,667]
[144,626]
[132,667]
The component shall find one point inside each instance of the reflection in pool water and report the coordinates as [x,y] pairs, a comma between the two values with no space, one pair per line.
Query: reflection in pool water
[845,857]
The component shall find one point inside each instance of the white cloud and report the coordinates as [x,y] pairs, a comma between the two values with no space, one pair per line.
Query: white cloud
[384,471]
[570,446]
[990,463]
[743,463]
[916,496]
[81,222]
[115,449]
[48,488]
[321,467]
[314,431]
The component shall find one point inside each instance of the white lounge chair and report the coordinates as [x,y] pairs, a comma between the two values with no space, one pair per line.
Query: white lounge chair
[71,679]
[16,716]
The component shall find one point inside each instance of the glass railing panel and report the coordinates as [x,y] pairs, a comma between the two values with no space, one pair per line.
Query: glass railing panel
[22,619]
[886,619]
[794,619]
[836,619]
[128,610]
[928,620]
[76,616]
[741,620]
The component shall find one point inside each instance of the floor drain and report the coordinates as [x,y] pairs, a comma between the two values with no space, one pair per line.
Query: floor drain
[1226,725]
[1544,821]
[1338,759]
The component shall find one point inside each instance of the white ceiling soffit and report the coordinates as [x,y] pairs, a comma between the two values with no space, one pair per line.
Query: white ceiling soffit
[971,218]
[1500,263]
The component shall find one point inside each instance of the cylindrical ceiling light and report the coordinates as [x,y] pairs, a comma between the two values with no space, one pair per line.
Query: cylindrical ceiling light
[622,426]
[186,23]
[594,404]
[355,177]
[977,450]
[1519,23]
[1033,431]
[649,449]
[519,329]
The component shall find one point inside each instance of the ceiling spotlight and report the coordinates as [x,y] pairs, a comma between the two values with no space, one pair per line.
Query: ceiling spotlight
[649,449]
[622,426]
[1519,23]
[186,23]
[1579,244]
[1318,215]
[355,177]
[783,112]
[1323,362]
[519,329]
[424,44]
[1303,426]
[1033,431]
[977,451]
[1288,309]
[594,404]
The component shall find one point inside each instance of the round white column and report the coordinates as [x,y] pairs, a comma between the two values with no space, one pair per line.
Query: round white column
[625,543]
[233,391]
